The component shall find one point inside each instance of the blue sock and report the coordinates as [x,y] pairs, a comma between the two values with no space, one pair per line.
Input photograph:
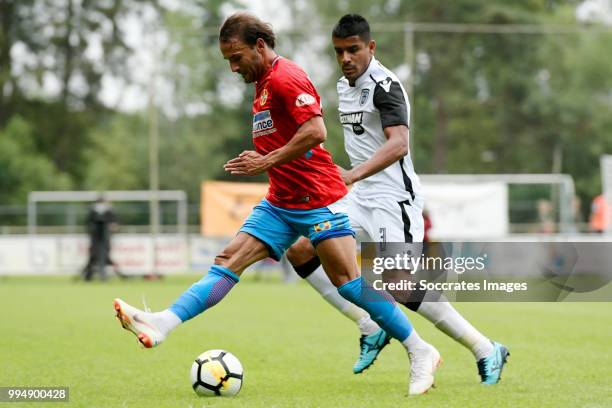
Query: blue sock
[380,305]
[205,293]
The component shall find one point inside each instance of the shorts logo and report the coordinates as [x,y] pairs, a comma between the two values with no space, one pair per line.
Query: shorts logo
[355,119]
[263,124]
[304,99]
[264,97]
[322,226]
[364,96]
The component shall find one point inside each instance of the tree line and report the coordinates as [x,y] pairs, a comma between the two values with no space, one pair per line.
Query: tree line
[481,103]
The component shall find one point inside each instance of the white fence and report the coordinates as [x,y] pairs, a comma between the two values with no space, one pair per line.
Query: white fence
[67,254]
[60,254]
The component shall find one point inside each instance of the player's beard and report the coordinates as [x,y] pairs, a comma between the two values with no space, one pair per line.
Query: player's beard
[254,71]
[246,79]
[247,76]
[352,72]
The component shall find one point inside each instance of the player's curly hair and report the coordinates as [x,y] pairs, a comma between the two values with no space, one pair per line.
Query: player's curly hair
[248,28]
[352,24]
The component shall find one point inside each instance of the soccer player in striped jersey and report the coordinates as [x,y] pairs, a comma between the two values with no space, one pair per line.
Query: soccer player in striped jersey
[385,203]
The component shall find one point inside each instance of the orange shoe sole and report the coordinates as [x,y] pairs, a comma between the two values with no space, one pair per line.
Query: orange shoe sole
[126,322]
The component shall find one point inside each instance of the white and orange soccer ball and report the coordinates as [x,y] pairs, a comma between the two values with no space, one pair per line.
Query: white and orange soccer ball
[216,373]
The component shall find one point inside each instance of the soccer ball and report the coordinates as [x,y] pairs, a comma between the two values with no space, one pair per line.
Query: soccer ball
[216,372]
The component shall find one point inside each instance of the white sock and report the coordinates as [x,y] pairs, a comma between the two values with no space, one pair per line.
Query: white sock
[413,341]
[319,280]
[166,321]
[447,319]
[366,325]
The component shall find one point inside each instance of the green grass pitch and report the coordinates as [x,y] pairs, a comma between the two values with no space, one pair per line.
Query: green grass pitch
[296,350]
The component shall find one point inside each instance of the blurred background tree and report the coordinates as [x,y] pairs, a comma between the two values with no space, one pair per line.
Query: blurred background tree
[77,77]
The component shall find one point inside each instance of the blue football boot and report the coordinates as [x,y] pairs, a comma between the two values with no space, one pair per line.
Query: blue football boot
[490,368]
[370,347]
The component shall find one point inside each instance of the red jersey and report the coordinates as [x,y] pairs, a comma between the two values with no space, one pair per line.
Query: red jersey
[284,99]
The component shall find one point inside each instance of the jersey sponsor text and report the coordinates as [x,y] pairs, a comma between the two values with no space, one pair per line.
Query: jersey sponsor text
[263,123]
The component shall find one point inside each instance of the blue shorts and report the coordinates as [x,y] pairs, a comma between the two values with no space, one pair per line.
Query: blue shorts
[278,228]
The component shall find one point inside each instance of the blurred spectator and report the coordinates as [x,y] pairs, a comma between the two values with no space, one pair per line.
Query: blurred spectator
[577,217]
[545,217]
[101,223]
[426,225]
[600,215]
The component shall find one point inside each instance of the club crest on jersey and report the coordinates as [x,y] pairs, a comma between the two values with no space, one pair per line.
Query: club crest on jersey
[322,226]
[304,99]
[264,97]
[364,96]
[354,119]
[263,124]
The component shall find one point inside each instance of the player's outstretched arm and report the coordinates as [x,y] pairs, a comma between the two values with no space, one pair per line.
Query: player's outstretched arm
[391,151]
[249,163]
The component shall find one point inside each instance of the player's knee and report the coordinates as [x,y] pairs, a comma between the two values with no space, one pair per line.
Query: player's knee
[222,259]
[229,256]
[236,258]
[225,260]
[301,252]
[293,255]
[340,277]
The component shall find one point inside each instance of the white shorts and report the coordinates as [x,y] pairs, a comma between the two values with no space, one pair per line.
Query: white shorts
[386,220]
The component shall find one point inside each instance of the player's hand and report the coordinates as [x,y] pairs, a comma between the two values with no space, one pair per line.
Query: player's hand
[347,175]
[248,163]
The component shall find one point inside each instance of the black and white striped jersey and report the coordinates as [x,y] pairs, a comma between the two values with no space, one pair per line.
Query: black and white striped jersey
[377,100]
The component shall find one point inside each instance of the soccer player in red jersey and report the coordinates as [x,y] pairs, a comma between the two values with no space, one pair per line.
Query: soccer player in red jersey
[305,198]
